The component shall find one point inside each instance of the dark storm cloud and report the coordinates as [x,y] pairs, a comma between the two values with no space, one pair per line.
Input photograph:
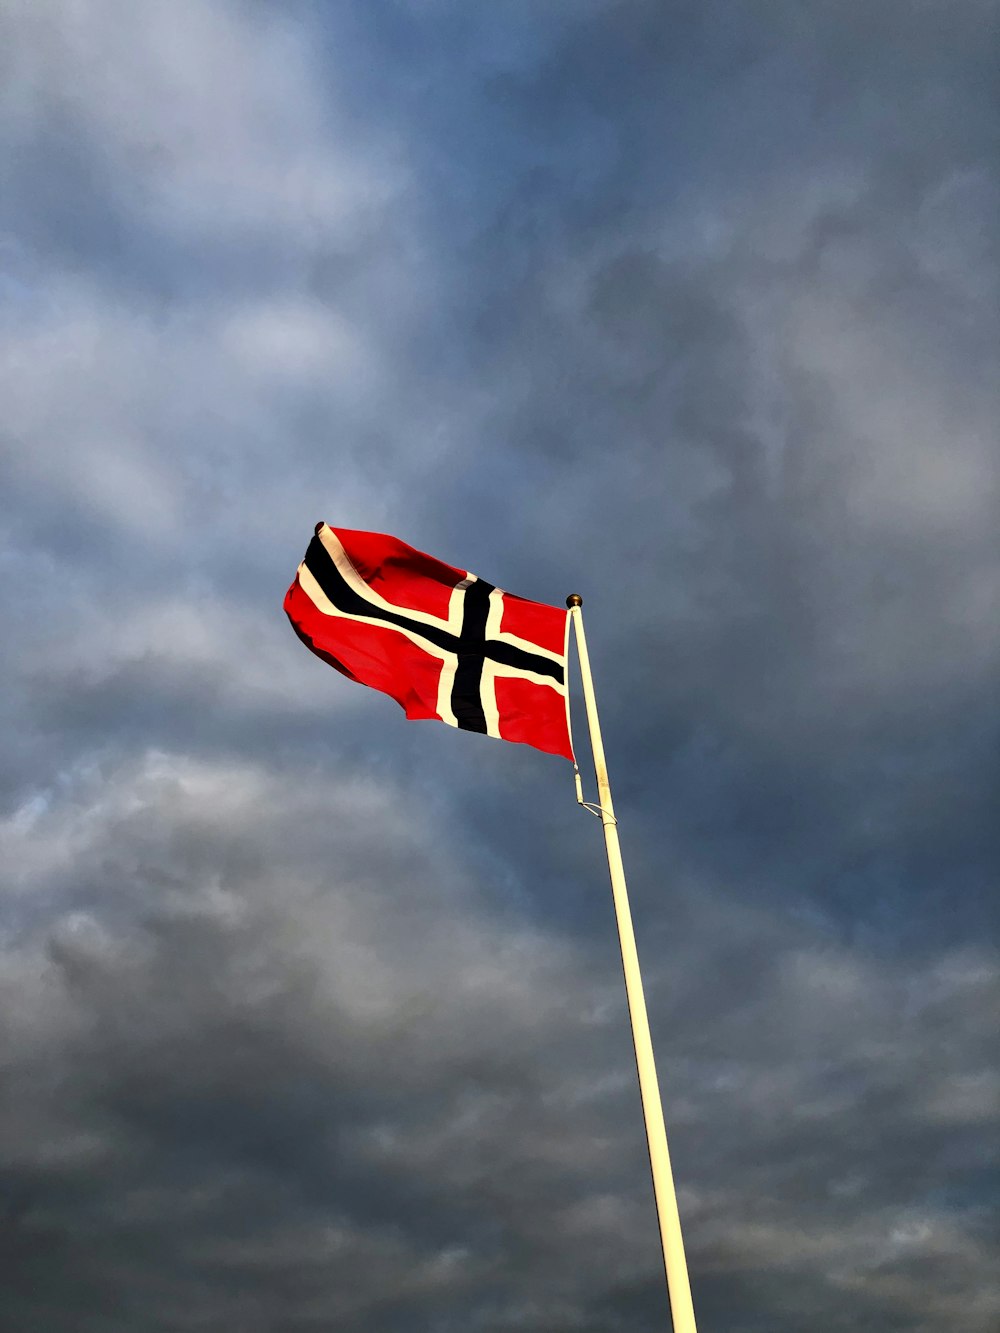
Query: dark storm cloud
[794,374]
[266,1090]
[312,1019]
[230,1050]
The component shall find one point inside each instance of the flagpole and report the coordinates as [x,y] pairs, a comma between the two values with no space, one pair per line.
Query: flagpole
[678,1284]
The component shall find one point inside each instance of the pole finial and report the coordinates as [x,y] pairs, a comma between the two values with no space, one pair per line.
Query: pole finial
[574,599]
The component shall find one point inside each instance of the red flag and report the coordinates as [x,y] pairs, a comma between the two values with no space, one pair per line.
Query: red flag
[444,643]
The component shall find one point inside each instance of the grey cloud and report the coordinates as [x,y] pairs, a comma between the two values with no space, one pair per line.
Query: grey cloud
[265,1088]
[312,1018]
[219,1029]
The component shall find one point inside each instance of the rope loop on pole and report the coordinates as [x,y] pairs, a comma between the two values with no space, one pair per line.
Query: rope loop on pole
[605,816]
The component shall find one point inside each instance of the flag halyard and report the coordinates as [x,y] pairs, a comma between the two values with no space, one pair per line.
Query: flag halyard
[440,641]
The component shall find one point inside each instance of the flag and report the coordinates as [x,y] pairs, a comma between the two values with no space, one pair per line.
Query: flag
[442,642]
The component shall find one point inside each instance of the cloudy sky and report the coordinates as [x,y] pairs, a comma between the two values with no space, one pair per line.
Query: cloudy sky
[311,1018]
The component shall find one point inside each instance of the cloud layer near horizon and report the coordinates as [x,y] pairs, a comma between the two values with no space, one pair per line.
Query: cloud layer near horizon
[313,1019]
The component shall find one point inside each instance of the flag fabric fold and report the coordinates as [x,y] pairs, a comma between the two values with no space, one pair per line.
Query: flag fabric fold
[442,642]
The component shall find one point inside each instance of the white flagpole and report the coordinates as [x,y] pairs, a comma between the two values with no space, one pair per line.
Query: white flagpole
[678,1284]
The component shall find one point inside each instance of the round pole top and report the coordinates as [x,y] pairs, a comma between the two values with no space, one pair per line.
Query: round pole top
[574,599]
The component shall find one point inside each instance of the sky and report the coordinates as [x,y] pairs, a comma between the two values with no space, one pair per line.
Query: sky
[312,1018]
